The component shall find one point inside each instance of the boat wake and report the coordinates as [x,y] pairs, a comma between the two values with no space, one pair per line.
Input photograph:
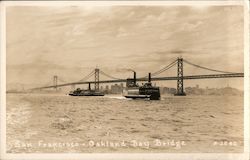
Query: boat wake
[117,97]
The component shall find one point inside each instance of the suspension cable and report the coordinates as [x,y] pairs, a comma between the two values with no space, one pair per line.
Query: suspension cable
[88,76]
[105,74]
[48,84]
[61,80]
[163,69]
[206,67]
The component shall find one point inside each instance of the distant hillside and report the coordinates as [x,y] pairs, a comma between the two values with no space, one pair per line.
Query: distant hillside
[213,91]
[204,91]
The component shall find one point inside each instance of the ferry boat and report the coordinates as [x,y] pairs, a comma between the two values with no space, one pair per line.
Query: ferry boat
[87,92]
[146,91]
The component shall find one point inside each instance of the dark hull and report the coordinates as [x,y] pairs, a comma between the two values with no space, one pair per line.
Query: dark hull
[147,91]
[138,96]
[87,95]
[143,97]
[93,95]
[180,94]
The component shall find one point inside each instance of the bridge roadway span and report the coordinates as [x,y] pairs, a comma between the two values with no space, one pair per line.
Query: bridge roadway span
[210,76]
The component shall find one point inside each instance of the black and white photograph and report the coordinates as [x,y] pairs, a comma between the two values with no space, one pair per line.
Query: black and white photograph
[125,77]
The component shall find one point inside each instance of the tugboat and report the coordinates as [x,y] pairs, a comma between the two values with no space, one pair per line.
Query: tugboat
[146,91]
[87,92]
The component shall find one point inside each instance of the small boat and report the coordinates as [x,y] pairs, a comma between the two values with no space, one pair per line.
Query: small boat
[146,91]
[80,92]
[87,92]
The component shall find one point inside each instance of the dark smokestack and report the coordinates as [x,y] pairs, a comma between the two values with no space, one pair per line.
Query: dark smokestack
[134,77]
[89,87]
[149,77]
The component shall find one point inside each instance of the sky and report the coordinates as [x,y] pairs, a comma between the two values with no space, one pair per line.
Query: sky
[70,41]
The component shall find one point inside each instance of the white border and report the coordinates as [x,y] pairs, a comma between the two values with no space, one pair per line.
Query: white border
[246,77]
[129,3]
[3,81]
[172,156]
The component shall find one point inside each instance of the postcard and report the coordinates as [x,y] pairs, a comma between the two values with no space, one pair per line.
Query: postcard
[125,80]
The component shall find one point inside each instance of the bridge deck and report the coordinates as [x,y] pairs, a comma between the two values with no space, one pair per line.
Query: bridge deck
[233,75]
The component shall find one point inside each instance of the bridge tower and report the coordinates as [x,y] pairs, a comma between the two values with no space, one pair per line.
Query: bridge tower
[180,89]
[97,79]
[55,78]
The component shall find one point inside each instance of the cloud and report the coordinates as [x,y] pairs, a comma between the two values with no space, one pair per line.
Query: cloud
[124,70]
[37,64]
[177,52]
[121,32]
[76,30]
[191,26]
[138,37]
[169,52]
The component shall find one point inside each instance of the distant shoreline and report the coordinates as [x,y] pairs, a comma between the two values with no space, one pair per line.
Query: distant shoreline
[163,95]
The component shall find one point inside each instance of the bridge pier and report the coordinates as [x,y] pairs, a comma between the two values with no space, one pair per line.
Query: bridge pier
[180,89]
[89,87]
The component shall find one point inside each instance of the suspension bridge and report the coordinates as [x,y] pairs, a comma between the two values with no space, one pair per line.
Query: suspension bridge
[179,62]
